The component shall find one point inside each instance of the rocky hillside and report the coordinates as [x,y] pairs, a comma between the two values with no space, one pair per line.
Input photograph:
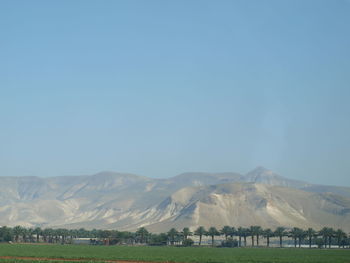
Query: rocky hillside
[126,201]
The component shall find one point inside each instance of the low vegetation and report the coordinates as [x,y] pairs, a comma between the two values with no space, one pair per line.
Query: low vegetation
[176,254]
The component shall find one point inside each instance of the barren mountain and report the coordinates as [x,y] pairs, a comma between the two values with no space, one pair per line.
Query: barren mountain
[246,204]
[126,201]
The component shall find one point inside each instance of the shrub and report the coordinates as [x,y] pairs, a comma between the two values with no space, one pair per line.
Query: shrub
[158,240]
[229,243]
[187,242]
[319,242]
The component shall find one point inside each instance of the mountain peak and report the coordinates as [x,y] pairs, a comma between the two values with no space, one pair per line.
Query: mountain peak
[260,170]
[263,175]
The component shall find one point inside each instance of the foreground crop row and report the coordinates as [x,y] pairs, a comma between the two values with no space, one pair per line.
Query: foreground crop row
[177,254]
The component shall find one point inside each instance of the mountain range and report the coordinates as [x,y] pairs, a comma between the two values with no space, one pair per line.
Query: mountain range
[109,200]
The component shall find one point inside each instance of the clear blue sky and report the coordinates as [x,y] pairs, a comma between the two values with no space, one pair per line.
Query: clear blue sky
[158,88]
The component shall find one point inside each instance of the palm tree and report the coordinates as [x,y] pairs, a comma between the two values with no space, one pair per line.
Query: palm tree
[301,236]
[213,232]
[17,231]
[186,232]
[51,234]
[267,234]
[73,233]
[233,232]
[200,231]
[94,233]
[327,233]
[64,234]
[294,234]
[6,234]
[324,233]
[114,236]
[37,232]
[142,233]
[172,234]
[240,233]
[255,231]
[258,232]
[82,232]
[246,233]
[310,233]
[105,235]
[25,233]
[252,234]
[47,235]
[128,237]
[226,231]
[331,233]
[56,235]
[30,234]
[280,232]
[340,235]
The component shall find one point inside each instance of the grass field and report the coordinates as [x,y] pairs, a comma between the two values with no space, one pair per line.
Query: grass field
[175,254]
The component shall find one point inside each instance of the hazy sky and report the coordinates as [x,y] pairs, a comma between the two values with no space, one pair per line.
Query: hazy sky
[158,88]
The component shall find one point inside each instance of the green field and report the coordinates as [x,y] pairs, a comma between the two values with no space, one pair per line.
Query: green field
[177,254]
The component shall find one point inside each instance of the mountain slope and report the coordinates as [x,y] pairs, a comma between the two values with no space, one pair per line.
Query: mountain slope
[126,201]
[246,204]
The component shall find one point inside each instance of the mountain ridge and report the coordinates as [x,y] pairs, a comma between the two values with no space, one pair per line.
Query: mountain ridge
[127,201]
[256,172]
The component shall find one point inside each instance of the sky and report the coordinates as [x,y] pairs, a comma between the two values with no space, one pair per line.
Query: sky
[158,88]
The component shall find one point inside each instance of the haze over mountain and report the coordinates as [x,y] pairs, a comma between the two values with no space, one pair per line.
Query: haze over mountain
[126,201]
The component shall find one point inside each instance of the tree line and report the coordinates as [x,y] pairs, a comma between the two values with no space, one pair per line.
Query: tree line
[232,237]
